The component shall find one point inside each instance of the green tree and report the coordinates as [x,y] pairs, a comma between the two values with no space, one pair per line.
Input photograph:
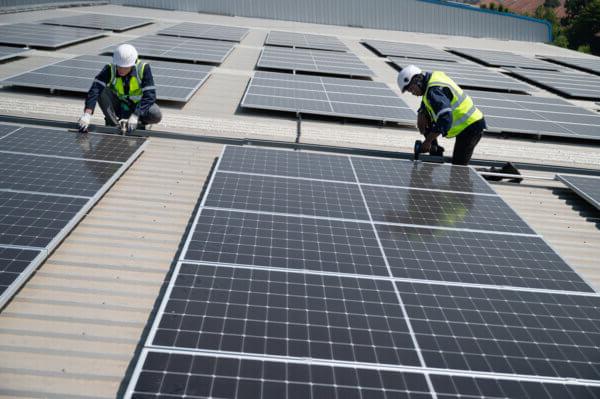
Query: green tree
[585,26]
[551,3]
[574,7]
[492,6]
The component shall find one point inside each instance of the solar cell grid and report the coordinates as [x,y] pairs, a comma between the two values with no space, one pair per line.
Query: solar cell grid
[206,31]
[13,262]
[305,40]
[286,242]
[197,375]
[44,36]
[467,75]
[99,21]
[178,48]
[294,59]
[586,187]
[419,175]
[476,258]
[410,50]
[504,331]
[591,64]
[283,195]
[54,175]
[7,52]
[285,314]
[442,209]
[6,130]
[504,59]
[571,84]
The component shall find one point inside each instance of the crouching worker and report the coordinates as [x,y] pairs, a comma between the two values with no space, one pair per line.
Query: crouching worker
[126,93]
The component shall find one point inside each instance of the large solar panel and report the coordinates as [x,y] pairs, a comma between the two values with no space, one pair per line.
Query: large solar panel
[174,81]
[326,96]
[288,285]
[504,59]
[304,60]
[179,48]
[305,40]
[589,64]
[547,116]
[569,84]
[409,50]
[467,75]
[49,180]
[44,36]
[7,52]
[99,21]
[206,31]
[586,187]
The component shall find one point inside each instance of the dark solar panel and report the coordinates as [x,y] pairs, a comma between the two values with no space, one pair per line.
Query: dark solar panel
[13,264]
[6,130]
[45,36]
[206,31]
[505,331]
[572,84]
[443,209]
[7,52]
[586,187]
[410,50]
[590,64]
[504,59]
[99,21]
[305,40]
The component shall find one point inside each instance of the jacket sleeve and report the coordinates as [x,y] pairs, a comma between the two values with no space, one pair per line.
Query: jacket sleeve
[100,82]
[439,98]
[148,92]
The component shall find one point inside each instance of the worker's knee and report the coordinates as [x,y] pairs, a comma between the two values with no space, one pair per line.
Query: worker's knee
[152,116]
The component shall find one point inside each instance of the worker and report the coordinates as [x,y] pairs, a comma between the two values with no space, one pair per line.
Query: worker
[125,91]
[446,110]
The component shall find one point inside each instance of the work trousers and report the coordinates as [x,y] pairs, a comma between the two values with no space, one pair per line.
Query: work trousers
[113,110]
[465,144]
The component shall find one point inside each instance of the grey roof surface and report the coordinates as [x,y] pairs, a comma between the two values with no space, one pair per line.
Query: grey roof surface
[74,327]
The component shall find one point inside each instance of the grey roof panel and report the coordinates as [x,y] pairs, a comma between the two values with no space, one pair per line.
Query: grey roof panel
[45,36]
[99,21]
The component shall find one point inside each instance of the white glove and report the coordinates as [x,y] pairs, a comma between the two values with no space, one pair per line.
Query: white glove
[132,123]
[84,122]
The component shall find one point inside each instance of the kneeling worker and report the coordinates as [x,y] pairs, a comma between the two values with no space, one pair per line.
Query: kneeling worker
[125,90]
[450,110]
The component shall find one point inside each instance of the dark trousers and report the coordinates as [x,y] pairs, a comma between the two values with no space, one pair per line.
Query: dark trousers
[465,144]
[113,110]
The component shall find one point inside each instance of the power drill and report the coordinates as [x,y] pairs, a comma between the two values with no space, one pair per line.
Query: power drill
[434,150]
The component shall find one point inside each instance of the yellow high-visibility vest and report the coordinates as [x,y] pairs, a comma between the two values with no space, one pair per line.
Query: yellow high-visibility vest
[135,83]
[464,112]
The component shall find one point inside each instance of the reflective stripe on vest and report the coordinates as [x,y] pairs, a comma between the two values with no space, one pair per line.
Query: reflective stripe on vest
[464,112]
[135,90]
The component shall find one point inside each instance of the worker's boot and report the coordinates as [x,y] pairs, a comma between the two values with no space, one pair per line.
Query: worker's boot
[510,169]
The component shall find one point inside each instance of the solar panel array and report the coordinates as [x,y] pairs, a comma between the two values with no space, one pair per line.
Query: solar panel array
[586,187]
[49,180]
[590,64]
[7,52]
[504,59]
[569,84]
[326,96]
[409,50]
[44,36]
[304,60]
[305,40]
[179,48]
[99,21]
[547,116]
[206,31]
[467,75]
[173,81]
[290,285]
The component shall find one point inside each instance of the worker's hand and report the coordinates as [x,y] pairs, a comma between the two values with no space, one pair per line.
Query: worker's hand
[132,123]
[426,146]
[84,122]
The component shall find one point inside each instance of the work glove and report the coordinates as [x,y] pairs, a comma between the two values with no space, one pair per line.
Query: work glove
[132,123]
[84,122]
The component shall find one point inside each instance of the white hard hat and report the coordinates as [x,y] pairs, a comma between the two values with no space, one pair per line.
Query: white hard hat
[125,55]
[405,76]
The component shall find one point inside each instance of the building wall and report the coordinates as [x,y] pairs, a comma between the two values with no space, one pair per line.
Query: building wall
[26,4]
[428,16]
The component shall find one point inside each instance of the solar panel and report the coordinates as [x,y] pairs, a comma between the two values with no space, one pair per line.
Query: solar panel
[324,62]
[45,36]
[49,180]
[326,96]
[587,188]
[7,52]
[305,40]
[569,84]
[409,50]
[179,48]
[206,31]
[589,64]
[286,287]
[503,59]
[99,21]
[174,81]
[548,116]
[467,75]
